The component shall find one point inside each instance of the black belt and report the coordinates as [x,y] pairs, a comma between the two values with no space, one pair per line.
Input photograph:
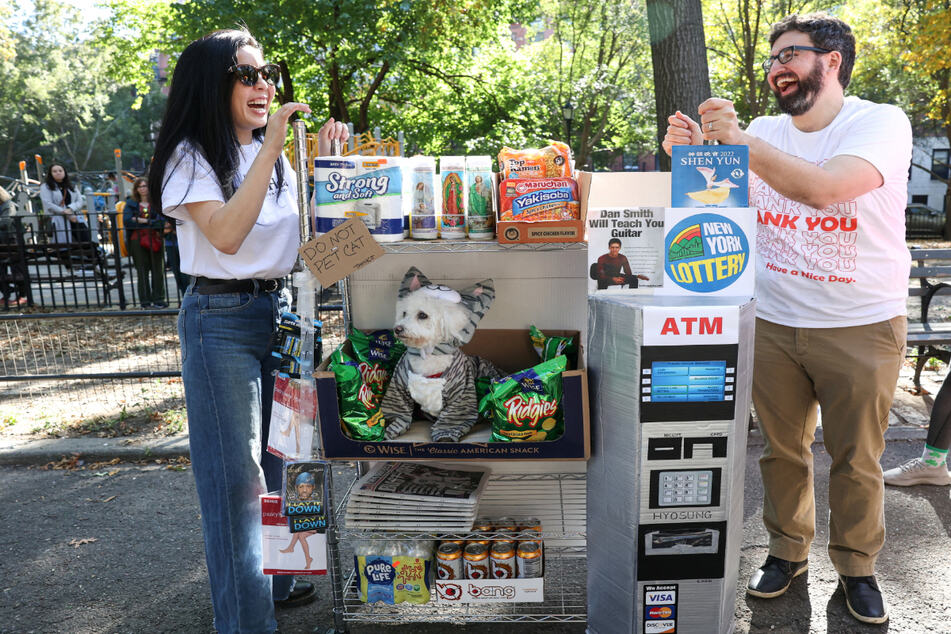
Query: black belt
[209,286]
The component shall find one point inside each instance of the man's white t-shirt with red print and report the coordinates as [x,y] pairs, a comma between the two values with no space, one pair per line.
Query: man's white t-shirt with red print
[846,265]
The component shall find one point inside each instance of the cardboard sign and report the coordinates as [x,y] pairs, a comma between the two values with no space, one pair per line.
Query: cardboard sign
[336,254]
[709,252]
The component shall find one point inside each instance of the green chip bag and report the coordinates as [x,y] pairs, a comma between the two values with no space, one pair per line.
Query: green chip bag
[526,406]
[362,381]
[549,346]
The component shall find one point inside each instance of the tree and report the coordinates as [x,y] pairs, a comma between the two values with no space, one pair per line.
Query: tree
[57,100]
[930,21]
[679,56]
[596,60]
[737,33]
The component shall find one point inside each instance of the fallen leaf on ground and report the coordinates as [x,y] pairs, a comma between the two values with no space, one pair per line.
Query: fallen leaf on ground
[76,543]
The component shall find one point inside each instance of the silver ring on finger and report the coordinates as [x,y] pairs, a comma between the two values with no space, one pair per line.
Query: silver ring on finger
[710,127]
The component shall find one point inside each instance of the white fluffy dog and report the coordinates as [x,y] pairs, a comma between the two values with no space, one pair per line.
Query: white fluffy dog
[434,321]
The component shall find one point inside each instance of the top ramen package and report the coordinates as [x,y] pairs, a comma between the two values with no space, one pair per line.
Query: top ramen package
[534,199]
[526,406]
[362,381]
[551,161]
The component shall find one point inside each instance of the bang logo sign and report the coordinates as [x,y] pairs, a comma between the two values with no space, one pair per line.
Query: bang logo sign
[707,253]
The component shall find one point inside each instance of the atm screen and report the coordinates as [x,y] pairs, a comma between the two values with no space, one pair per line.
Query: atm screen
[688,381]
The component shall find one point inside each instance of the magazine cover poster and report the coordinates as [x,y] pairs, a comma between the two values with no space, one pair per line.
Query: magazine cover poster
[710,176]
[286,553]
[303,488]
[625,249]
[709,252]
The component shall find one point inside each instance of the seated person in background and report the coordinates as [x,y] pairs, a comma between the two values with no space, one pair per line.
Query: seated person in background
[613,268]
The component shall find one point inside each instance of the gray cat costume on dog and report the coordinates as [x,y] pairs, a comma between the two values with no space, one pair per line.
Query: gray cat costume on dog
[460,406]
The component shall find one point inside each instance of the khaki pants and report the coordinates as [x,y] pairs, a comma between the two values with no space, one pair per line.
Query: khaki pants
[851,373]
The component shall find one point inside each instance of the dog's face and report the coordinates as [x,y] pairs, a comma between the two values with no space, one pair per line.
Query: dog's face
[430,315]
[425,320]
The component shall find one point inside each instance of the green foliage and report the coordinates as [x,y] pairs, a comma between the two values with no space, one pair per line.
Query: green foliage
[58,100]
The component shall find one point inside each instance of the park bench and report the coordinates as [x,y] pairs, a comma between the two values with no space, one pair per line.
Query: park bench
[61,263]
[931,340]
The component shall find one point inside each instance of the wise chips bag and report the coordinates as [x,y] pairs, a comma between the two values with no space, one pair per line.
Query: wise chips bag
[362,380]
[526,406]
[550,346]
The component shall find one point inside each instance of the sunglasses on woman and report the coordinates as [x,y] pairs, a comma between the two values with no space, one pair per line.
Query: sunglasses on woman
[248,74]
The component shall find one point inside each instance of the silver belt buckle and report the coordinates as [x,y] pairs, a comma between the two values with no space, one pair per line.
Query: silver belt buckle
[271,285]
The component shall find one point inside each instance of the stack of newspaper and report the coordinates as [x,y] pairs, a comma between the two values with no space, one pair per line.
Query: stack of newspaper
[415,497]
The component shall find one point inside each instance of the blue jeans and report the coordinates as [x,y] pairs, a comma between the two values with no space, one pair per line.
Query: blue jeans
[227,371]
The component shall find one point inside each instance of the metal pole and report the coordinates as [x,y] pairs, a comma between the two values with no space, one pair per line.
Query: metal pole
[119,177]
[300,166]
[26,187]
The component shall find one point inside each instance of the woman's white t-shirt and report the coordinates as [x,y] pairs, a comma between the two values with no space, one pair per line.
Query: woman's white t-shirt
[269,250]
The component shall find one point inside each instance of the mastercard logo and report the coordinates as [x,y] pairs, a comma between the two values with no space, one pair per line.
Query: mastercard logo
[660,613]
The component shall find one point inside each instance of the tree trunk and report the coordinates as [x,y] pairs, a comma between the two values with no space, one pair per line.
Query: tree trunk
[679,55]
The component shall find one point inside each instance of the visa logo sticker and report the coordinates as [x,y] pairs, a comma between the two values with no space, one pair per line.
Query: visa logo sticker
[659,598]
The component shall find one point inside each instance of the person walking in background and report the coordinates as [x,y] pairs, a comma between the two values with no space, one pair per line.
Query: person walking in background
[63,201]
[932,466]
[14,279]
[220,174]
[173,258]
[831,299]
[143,227]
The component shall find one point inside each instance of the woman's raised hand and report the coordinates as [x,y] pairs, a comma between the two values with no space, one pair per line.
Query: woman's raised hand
[331,131]
[275,136]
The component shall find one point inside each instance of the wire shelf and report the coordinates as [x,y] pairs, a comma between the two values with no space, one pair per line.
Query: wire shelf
[565,602]
[475,246]
[557,500]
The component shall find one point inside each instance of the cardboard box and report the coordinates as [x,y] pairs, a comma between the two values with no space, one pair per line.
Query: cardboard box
[513,231]
[598,189]
[490,591]
[512,351]
[276,536]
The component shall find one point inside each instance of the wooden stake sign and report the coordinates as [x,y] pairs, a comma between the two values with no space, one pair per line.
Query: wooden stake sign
[336,254]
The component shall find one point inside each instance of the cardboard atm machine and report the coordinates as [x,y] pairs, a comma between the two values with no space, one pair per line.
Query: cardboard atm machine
[670,391]
[670,374]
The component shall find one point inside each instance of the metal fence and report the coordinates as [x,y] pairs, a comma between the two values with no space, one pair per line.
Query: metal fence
[83,365]
[56,271]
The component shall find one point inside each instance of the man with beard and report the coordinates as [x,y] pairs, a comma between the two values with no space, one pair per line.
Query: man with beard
[829,182]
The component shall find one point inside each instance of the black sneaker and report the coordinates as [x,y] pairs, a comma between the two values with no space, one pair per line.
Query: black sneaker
[864,599]
[304,592]
[774,576]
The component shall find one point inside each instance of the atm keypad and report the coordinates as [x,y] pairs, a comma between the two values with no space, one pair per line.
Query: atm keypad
[685,488]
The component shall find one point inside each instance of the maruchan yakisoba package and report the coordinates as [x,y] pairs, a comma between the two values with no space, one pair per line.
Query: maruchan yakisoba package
[551,161]
[526,406]
[535,199]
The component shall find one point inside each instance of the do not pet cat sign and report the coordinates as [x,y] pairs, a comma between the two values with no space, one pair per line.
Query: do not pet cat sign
[336,254]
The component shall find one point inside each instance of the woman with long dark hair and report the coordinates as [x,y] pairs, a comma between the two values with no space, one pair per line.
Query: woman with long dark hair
[63,201]
[143,227]
[220,174]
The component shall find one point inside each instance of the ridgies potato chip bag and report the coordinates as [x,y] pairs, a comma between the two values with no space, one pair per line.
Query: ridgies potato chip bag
[362,381]
[526,406]
[394,579]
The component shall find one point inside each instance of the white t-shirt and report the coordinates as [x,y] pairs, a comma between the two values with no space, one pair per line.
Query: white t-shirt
[269,250]
[846,265]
